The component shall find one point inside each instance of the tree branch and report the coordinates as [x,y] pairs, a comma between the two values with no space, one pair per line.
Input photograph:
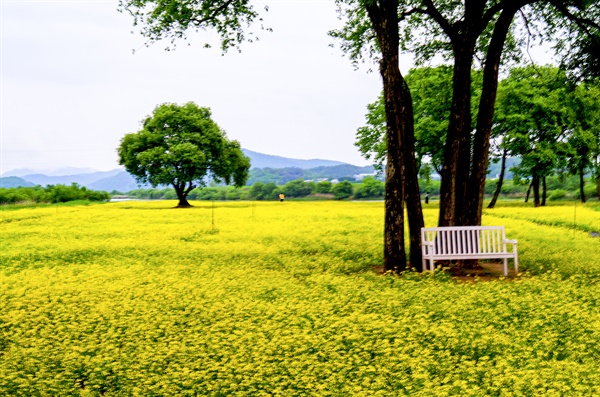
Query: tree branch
[529,34]
[213,15]
[433,12]
[583,23]
[403,15]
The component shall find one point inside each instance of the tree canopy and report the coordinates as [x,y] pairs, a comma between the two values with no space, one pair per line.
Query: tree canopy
[473,34]
[173,19]
[550,122]
[183,147]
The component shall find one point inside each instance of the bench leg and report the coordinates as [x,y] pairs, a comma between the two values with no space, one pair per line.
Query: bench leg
[505,267]
[516,263]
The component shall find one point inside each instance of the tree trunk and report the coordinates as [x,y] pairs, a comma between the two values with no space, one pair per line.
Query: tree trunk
[384,18]
[411,179]
[455,168]
[581,184]
[485,117]
[183,203]
[492,203]
[182,193]
[535,183]
[544,191]
[528,191]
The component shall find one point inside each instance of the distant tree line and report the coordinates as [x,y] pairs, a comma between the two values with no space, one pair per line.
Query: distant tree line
[50,194]
[559,187]
[368,188]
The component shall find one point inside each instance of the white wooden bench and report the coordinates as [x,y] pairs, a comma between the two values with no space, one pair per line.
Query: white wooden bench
[467,242]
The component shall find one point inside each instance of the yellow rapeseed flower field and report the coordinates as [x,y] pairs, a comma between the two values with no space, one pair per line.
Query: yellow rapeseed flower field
[280,299]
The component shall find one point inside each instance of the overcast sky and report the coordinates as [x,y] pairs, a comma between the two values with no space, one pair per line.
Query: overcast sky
[72,87]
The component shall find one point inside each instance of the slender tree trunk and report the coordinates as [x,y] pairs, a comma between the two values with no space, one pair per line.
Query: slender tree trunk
[528,191]
[384,18]
[492,203]
[411,179]
[535,183]
[544,191]
[581,184]
[485,117]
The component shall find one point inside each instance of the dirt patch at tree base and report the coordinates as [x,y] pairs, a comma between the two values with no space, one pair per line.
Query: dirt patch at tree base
[484,271]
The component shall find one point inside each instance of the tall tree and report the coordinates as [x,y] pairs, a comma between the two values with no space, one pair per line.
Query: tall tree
[584,139]
[485,33]
[533,103]
[401,169]
[183,147]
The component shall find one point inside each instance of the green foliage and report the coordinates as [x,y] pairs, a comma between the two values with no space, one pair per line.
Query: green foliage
[557,195]
[532,112]
[431,90]
[257,191]
[298,188]
[171,19]
[370,188]
[183,147]
[323,187]
[342,190]
[549,122]
[50,194]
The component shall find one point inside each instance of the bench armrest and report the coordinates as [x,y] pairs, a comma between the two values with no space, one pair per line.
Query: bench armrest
[510,241]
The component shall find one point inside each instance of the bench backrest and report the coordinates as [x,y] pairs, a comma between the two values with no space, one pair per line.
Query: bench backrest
[463,240]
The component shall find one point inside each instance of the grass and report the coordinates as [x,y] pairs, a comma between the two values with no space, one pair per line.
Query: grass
[138,298]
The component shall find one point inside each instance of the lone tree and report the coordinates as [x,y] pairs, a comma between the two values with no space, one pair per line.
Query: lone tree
[183,147]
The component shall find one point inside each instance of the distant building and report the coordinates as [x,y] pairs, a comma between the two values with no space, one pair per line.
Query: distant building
[360,177]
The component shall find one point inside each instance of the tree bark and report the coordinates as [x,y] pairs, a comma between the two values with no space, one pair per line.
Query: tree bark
[581,184]
[535,183]
[384,18]
[485,117]
[528,191]
[182,192]
[412,192]
[544,191]
[457,157]
[492,203]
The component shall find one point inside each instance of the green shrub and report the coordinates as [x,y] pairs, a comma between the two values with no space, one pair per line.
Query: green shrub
[557,194]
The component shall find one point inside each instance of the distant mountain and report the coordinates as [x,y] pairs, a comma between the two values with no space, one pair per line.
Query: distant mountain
[281,176]
[81,179]
[261,160]
[13,181]
[122,182]
[50,172]
[265,168]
